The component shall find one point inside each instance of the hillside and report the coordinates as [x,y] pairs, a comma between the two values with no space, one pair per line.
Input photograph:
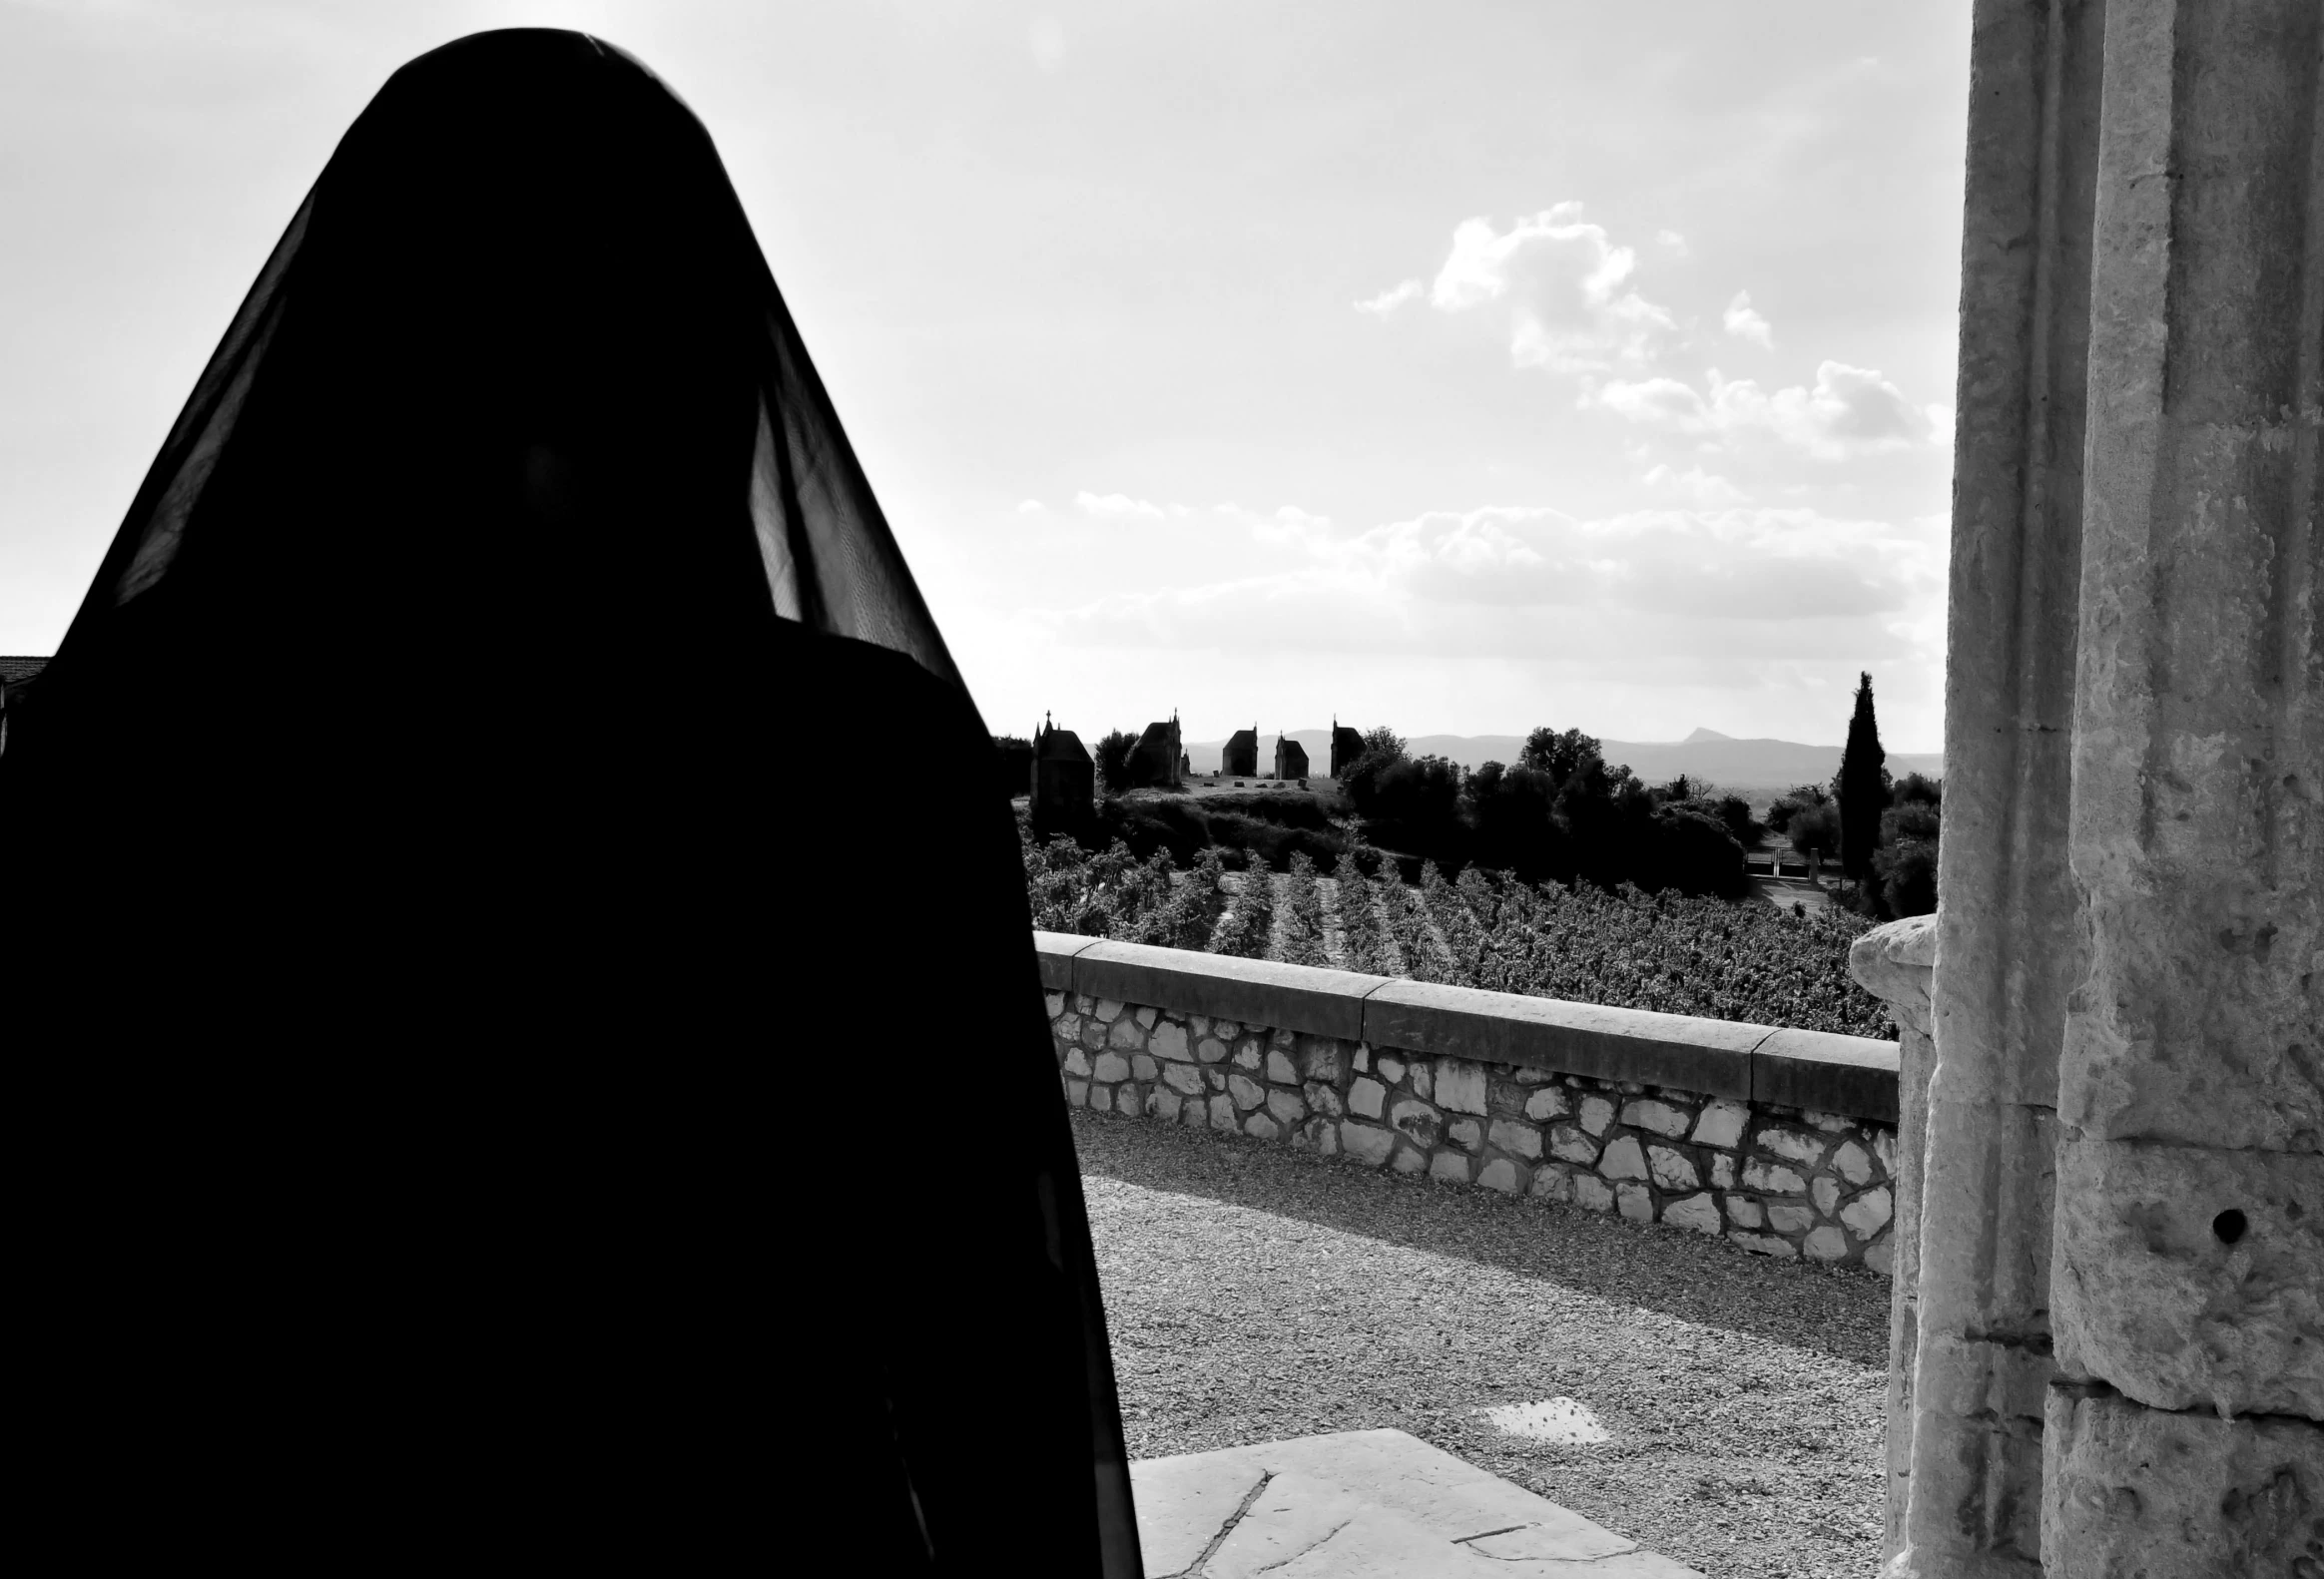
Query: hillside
[1706,754]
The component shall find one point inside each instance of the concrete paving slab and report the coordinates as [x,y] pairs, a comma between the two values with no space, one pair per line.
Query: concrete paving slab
[1364,1505]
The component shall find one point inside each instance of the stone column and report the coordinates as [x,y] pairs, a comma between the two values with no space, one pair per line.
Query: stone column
[2185,1435]
[2007,942]
[1893,963]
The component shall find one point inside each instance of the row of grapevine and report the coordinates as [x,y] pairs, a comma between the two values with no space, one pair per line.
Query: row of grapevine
[1247,926]
[1701,956]
[1301,924]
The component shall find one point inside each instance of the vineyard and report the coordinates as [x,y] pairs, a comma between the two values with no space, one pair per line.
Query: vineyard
[1667,953]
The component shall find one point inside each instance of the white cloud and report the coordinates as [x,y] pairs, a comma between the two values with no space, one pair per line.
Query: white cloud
[1745,324]
[1527,583]
[1030,507]
[1695,484]
[1047,42]
[1117,507]
[1850,411]
[1564,285]
[1392,298]
[1673,240]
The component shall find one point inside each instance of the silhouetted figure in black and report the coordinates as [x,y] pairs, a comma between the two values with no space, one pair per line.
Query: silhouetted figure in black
[450,1128]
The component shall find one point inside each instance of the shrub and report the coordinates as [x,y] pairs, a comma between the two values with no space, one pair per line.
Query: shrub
[1113,760]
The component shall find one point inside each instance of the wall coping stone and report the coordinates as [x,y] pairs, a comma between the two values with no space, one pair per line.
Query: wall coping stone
[1595,1039]
[1814,1069]
[1057,952]
[1227,988]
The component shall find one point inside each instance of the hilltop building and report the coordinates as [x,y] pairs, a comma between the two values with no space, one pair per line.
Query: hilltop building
[1157,759]
[1064,782]
[1240,758]
[1346,745]
[1291,759]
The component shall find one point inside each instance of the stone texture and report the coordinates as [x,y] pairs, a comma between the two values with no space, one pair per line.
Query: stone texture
[1569,1143]
[1698,1212]
[1451,1166]
[2160,1495]
[1107,1009]
[1497,1150]
[2154,1296]
[1745,1211]
[1790,1145]
[1459,1086]
[1661,1117]
[1594,1193]
[1721,1124]
[1366,1143]
[1764,1245]
[1546,1104]
[1418,1120]
[1597,1115]
[1868,1214]
[1768,1179]
[1827,1243]
[1852,1163]
[1392,1069]
[2190,1074]
[1672,1170]
[1623,1158]
[1318,1059]
[1423,1079]
[1077,1093]
[1824,1191]
[1501,1174]
[1511,1136]
[1790,1220]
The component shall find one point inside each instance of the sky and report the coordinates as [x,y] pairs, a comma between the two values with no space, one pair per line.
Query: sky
[1461,367]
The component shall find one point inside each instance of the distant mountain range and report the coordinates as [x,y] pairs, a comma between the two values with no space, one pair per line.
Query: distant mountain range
[1757,764]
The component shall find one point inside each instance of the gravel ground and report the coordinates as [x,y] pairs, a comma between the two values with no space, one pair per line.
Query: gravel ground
[1256,1292]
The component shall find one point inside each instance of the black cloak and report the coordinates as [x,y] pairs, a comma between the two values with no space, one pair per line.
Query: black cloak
[522,1016]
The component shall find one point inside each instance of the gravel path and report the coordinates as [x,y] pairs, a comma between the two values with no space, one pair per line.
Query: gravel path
[1255,1293]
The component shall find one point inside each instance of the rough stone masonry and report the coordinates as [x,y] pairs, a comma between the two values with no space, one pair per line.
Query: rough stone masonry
[2119,1363]
[1780,1181]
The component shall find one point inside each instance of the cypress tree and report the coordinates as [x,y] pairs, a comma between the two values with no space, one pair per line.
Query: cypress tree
[1862,787]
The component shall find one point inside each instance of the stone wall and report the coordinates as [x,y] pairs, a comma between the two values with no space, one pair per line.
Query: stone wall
[1782,1141]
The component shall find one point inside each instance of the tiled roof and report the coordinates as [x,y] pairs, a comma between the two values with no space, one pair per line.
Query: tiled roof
[15,672]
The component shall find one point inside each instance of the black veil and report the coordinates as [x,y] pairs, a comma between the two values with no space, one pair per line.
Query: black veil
[524,1009]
